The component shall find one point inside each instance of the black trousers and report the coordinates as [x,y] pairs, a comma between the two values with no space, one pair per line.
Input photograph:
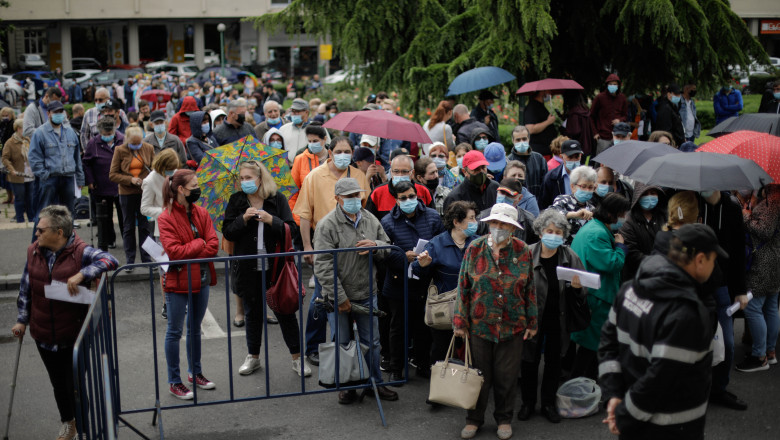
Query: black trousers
[253,316]
[529,371]
[585,364]
[104,213]
[59,365]
[419,334]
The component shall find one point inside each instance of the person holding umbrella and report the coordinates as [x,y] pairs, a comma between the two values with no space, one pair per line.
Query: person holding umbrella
[484,113]
[540,123]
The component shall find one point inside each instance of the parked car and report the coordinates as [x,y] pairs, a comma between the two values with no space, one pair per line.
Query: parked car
[44,78]
[210,57]
[31,61]
[79,76]
[10,89]
[230,73]
[109,77]
[86,63]
[181,69]
[349,75]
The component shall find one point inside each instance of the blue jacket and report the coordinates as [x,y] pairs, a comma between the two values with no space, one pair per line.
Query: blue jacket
[197,145]
[404,233]
[446,259]
[529,203]
[553,186]
[52,155]
[727,106]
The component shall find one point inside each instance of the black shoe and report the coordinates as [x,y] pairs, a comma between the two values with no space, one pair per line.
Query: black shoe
[396,376]
[551,413]
[112,245]
[384,393]
[237,323]
[165,311]
[729,400]
[314,359]
[384,364]
[752,364]
[272,319]
[434,405]
[347,397]
[525,413]
[130,270]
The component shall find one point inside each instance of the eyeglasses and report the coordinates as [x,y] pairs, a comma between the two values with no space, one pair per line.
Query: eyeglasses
[586,187]
[405,198]
[40,231]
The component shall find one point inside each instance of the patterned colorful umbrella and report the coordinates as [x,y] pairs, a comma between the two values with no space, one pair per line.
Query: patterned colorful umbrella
[761,148]
[218,173]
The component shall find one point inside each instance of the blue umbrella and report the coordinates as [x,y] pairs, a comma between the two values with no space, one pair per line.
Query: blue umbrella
[478,79]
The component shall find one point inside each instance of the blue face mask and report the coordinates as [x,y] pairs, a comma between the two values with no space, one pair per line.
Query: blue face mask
[217,91]
[296,119]
[648,202]
[159,129]
[275,144]
[776,95]
[169,173]
[504,199]
[706,194]
[332,115]
[100,106]
[274,121]
[248,186]
[460,162]
[408,206]
[552,241]
[481,144]
[522,147]
[612,88]
[618,225]
[205,128]
[342,160]
[616,141]
[675,99]
[440,163]
[58,118]
[107,139]
[352,205]
[399,179]
[582,195]
[572,164]
[315,147]
[471,229]
[134,147]
[602,189]
[190,93]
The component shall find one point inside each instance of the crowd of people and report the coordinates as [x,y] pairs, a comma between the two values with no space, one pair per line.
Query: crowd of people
[498,220]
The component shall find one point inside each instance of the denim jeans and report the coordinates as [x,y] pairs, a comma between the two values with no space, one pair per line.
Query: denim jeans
[721,373]
[761,316]
[366,326]
[315,324]
[57,190]
[131,211]
[177,313]
[23,201]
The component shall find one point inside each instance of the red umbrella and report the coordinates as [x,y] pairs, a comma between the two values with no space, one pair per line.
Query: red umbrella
[552,84]
[156,98]
[379,123]
[761,148]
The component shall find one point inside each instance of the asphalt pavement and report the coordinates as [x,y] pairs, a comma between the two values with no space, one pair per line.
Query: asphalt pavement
[35,414]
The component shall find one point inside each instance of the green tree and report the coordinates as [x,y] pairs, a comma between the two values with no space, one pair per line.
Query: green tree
[419,46]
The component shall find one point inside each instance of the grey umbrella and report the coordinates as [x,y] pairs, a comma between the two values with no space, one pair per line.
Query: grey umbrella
[702,172]
[760,122]
[627,156]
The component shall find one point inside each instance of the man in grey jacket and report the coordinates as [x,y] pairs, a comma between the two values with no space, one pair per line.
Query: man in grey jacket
[36,114]
[347,226]
[160,139]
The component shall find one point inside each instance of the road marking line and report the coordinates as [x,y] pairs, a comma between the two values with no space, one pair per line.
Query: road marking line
[210,327]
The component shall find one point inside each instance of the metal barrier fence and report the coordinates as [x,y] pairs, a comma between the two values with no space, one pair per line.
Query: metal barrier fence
[99,404]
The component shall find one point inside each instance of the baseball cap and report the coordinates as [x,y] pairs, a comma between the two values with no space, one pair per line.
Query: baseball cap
[571,147]
[698,237]
[54,106]
[486,94]
[299,104]
[363,153]
[157,115]
[504,213]
[113,104]
[621,129]
[495,154]
[370,140]
[398,152]
[347,186]
[371,99]
[474,159]
[512,186]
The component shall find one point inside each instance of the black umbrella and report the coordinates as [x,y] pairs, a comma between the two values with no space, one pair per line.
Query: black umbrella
[702,172]
[760,122]
[627,156]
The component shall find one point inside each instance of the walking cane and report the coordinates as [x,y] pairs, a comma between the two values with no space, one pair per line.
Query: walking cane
[13,387]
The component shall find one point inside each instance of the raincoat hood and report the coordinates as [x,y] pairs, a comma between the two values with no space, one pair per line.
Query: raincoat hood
[640,189]
[267,136]
[478,131]
[189,104]
[196,119]
[613,77]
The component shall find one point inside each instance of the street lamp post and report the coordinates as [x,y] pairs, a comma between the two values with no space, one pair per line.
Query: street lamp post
[221,29]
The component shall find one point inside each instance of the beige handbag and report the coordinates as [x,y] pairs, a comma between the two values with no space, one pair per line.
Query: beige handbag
[455,384]
[439,309]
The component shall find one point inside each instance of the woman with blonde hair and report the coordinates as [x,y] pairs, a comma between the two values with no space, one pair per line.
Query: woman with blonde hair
[683,210]
[20,175]
[257,219]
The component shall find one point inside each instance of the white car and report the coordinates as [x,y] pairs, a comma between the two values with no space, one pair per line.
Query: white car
[187,69]
[350,75]
[79,76]
[210,57]
[10,89]
[31,61]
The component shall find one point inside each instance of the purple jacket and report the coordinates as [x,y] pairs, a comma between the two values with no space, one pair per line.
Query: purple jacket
[97,161]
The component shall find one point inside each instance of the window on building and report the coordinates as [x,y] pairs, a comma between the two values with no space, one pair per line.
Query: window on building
[280,2]
[34,41]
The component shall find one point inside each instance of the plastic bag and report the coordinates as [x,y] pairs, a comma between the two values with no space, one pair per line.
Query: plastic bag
[579,397]
[718,347]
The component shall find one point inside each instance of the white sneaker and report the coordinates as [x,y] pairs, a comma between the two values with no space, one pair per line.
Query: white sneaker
[311,282]
[68,431]
[250,365]
[296,366]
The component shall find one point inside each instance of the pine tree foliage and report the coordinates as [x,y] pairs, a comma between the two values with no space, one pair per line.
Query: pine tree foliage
[420,46]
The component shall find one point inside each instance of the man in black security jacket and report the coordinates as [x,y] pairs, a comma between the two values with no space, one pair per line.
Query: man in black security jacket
[655,354]
[477,187]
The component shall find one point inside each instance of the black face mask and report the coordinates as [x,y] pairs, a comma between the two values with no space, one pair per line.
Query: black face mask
[194,196]
[478,179]
[692,93]
[432,185]
[240,119]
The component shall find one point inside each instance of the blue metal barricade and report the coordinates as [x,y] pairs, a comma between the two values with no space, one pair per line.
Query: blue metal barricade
[99,407]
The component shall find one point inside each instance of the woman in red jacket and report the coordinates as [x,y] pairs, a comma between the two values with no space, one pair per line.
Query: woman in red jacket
[186,232]
[180,122]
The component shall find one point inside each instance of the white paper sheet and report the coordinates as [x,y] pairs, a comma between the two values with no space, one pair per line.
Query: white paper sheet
[58,290]
[156,252]
[734,307]
[420,246]
[587,279]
